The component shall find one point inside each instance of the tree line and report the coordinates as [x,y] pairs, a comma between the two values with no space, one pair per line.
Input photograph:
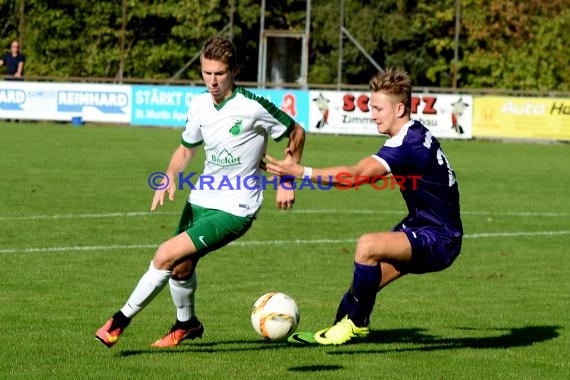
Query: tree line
[502,44]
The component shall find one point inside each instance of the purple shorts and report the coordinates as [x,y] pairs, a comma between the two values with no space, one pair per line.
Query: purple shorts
[433,249]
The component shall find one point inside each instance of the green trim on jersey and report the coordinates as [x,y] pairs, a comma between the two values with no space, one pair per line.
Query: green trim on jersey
[283,118]
[222,104]
[235,138]
[188,145]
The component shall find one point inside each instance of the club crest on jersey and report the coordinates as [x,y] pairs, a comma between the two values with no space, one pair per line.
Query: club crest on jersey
[223,158]
[236,128]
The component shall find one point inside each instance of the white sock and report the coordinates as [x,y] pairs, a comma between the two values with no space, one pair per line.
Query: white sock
[183,294]
[150,284]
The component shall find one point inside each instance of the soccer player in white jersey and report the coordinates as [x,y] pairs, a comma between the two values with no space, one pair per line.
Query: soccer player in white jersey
[428,239]
[233,125]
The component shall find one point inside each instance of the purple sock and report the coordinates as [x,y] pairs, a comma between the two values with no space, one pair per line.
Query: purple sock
[345,306]
[365,285]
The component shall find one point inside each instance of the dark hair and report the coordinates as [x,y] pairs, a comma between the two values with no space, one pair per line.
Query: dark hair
[220,49]
[394,82]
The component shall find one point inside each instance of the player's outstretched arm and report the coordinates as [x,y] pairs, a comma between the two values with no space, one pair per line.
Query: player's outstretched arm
[286,167]
[178,162]
[367,168]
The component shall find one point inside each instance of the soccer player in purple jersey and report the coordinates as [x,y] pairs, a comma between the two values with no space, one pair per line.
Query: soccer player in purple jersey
[429,237]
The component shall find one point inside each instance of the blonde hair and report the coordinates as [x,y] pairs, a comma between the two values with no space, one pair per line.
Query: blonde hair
[394,82]
[222,50]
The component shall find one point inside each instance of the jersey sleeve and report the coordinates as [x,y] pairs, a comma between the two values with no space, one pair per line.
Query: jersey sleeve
[405,155]
[277,123]
[192,136]
[392,156]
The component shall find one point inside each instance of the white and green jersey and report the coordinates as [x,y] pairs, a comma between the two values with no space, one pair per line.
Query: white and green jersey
[234,135]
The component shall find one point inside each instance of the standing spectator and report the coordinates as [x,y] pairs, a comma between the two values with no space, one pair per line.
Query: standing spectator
[14,61]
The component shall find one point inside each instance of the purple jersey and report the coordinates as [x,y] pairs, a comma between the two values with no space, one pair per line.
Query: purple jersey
[434,200]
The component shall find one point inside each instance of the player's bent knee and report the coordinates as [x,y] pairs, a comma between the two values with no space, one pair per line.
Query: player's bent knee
[365,248]
[163,260]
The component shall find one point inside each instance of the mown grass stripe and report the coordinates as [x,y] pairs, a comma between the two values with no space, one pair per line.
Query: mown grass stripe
[297,211]
[267,242]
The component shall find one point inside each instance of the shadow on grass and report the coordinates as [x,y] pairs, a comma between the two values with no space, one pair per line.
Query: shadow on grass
[316,368]
[211,347]
[503,338]
[419,338]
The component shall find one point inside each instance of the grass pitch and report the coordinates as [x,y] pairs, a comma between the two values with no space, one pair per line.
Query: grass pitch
[77,235]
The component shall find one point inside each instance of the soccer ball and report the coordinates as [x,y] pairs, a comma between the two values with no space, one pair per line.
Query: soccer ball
[275,316]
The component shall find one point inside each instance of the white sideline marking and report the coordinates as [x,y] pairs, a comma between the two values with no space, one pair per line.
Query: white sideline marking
[507,213]
[515,234]
[85,216]
[296,211]
[264,242]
